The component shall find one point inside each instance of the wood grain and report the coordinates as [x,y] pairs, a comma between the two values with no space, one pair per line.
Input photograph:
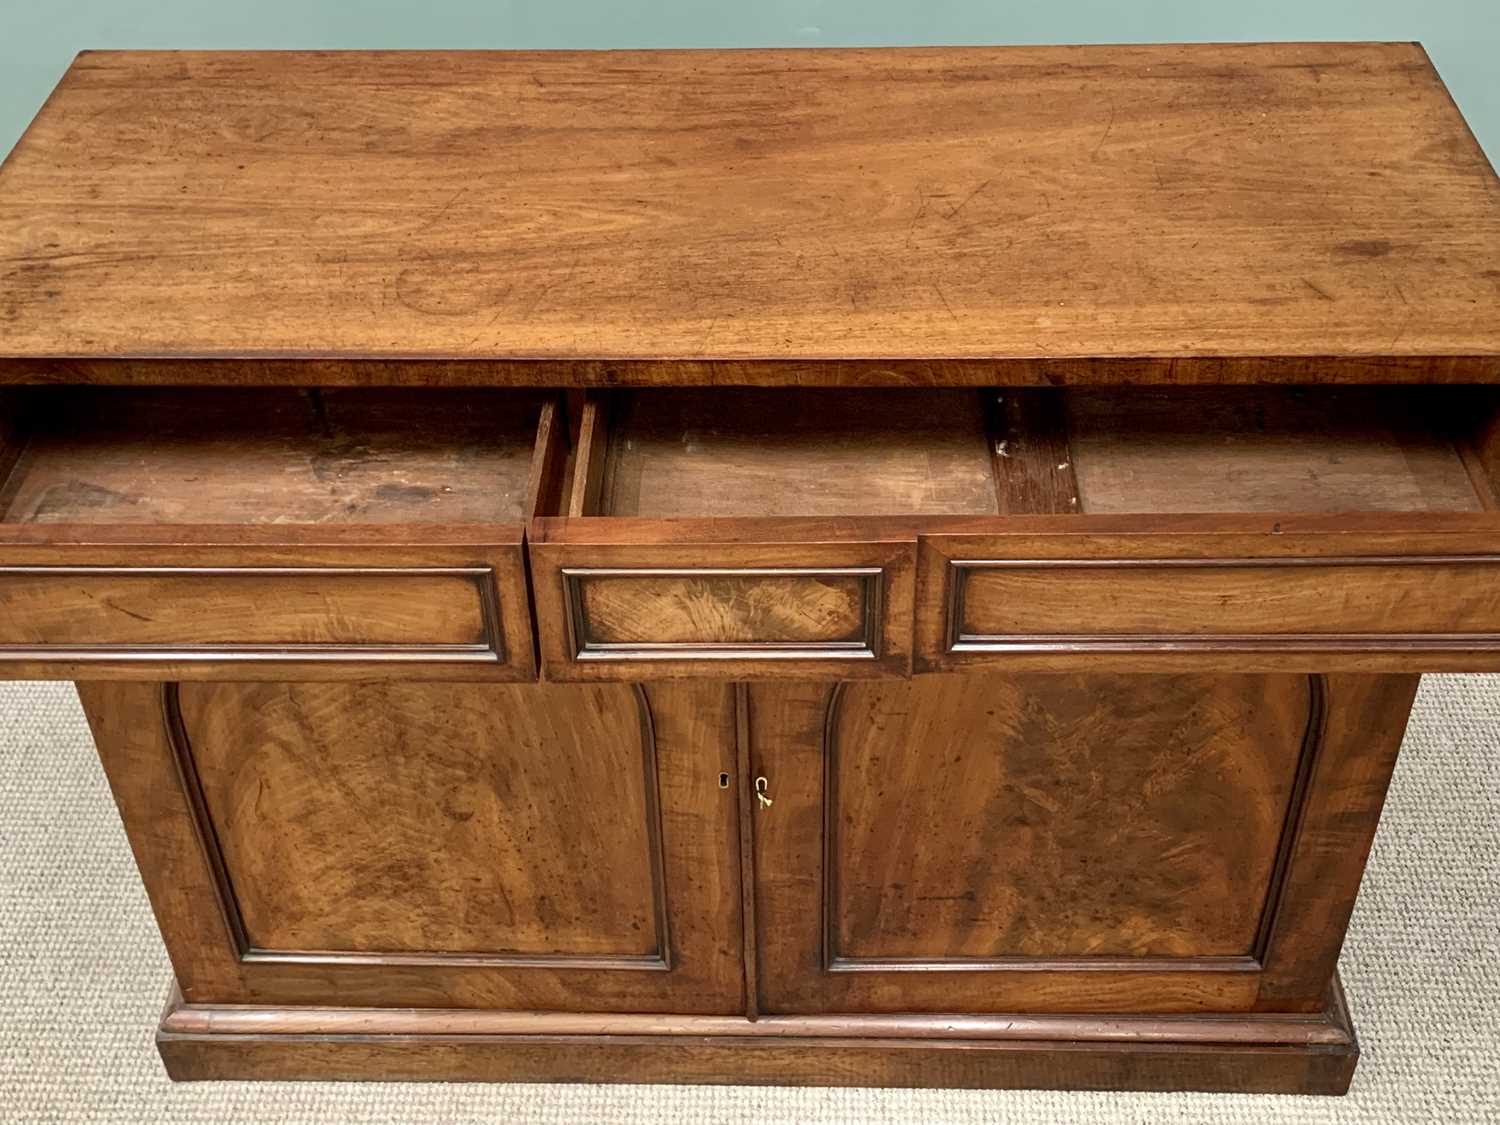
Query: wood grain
[402,744]
[991,817]
[1371,592]
[547,480]
[433,820]
[789,730]
[1032,453]
[745,784]
[148,602]
[1313,1054]
[1364,720]
[906,856]
[1265,449]
[914,1063]
[708,608]
[830,323]
[1171,208]
[580,375]
[733,452]
[1350,597]
[1476,435]
[317,609]
[1298,1028]
[271,532]
[592,454]
[615,595]
[273,456]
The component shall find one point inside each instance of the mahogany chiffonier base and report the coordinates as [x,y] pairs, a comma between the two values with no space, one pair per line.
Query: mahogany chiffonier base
[658,566]
[414,881]
[1301,1053]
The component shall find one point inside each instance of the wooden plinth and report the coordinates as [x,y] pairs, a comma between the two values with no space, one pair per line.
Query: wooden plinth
[1295,1053]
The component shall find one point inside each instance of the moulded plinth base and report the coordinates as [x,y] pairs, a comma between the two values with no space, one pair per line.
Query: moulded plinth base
[1301,1053]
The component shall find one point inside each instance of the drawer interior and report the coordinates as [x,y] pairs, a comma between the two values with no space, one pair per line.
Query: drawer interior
[816,452]
[1281,449]
[718,452]
[71,455]
[270,456]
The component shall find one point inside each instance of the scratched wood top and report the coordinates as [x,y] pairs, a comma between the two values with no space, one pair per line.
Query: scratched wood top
[1173,207]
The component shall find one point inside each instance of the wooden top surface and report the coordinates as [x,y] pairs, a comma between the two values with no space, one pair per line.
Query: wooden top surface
[1180,204]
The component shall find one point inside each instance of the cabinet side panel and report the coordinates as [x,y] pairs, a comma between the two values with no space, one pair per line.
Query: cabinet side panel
[133,744]
[1365,721]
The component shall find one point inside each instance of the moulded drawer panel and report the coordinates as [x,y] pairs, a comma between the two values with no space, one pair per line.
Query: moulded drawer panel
[733,609]
[248,621]
[801,612]
[1277,600]
[1381,602]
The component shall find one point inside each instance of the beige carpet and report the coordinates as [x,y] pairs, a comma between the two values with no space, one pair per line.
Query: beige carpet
[82,975]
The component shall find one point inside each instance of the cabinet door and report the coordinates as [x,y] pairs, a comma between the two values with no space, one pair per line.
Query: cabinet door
[438,845]
[1056,842]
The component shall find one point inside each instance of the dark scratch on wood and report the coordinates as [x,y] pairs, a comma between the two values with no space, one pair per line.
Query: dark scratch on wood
[1108,129]
[938,289]
[128,612]
[917,218]
[446,207]
[953,213]
[1401,330]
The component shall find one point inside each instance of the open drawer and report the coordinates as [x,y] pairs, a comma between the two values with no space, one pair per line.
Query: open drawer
[732,532]
[744,533]
[270,532]
[1237,528]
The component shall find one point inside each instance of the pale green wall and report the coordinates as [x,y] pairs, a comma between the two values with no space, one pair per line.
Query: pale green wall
[38,37]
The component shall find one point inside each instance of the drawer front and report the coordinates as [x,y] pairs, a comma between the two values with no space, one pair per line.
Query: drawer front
[317,620]
[727,610]
[1316,603]
[720,613]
